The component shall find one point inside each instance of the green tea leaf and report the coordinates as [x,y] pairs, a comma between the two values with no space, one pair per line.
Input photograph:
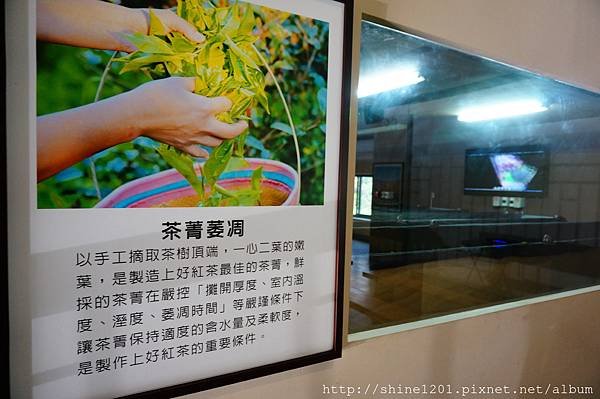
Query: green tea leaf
[200,85]
[248,22]
[283,64]
[231,24]
[158,71]
[225,117]
[318,79]
[184,164]
[156,25]
[149,44]
[322,98]
[180,43]
[215,199]
[181,10]
[241,54]
[263,99]
[253,142]
[240,107]
[216,57]
[245,45]
[257,176]
[240,72]
[217,162]
[237,163]
[284,127]
[138,63]
[175,66]
[240,142]
[251,196]
[248,198]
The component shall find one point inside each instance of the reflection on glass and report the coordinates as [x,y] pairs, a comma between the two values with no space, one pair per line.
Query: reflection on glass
[356,196]
[366,188]
[477,183]
[363,187]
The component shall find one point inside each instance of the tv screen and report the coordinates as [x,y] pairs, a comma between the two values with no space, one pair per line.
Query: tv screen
[507,171]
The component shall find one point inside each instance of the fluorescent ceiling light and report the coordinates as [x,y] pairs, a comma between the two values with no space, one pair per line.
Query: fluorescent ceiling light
[500,110]
[387,80]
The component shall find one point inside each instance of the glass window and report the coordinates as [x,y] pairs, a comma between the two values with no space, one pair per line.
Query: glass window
[483,183]
[363,191]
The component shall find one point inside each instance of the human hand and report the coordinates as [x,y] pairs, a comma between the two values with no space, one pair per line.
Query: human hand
[174,23]
[102,25]
[171,22]
[168,111]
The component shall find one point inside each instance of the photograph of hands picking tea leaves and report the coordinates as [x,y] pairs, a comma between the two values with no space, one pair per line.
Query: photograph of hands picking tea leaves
[189,103]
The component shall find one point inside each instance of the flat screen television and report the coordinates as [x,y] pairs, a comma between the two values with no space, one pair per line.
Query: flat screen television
[507,171]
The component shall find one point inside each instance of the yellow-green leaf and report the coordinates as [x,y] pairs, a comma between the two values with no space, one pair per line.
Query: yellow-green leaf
[200,85]
[240,53]
[216,56]
[180,43]
[248,22]
[240,107]
[257,177]
[156,25]
[239,68]
[175,66]
[149,44]
[217,162]
[237,163]
[183,164]
[246,47]
[138,63]
[231,24]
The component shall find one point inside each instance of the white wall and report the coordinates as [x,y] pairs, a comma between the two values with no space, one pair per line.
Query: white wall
[554,37]
[548,343]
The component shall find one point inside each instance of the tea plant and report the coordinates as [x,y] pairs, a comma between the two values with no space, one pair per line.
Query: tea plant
[225,64]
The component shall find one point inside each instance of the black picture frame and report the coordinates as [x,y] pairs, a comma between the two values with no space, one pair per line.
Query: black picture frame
[268,369]
[3,219]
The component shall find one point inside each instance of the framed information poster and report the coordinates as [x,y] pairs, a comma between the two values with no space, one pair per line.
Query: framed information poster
[177,182]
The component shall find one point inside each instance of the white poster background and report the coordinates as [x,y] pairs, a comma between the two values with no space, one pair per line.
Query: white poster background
[56,235]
